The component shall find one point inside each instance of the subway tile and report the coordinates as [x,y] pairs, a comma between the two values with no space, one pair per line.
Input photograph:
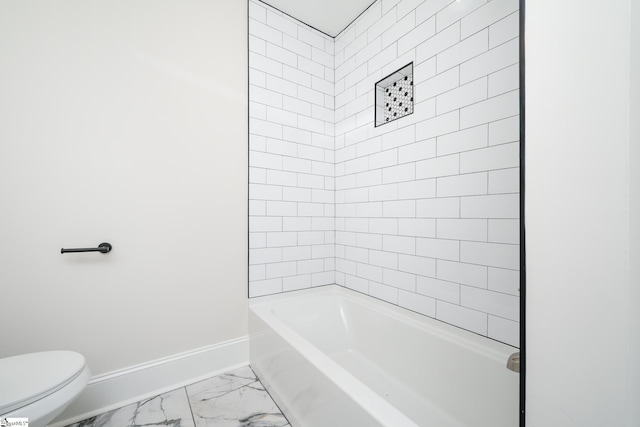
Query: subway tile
[462,229]
[322,251]
[504,80]
[309,123]
[356,254]
[296,76]
[438,125]
[322,168]
[265,255]
[356,225]
[265,192]
[324,86]
[346,266]
[369,210]
[491,61]
[399,244]
[399,29]
[264,96]
[310,36]
[417,227]
[503,330]
[295,283]
[346,238]
[296,224]
[491,206]
[292,164]
[282,23]
[428,9]
[383,292]
[265,32]
[310,67]
[438,208]
[399,209]
[355,195]
[488,14]
[257,12]
[282,55]
[267,65]
[459,272]
[504,181]
[260,288]
[300,136]
[383,225]
[296,46]
[261,223]
[369,241]
[325,223]
[416,36]
[463,51]
[321,57]
[276,115]
[380,26]
[456,11]
[357,165]
[506,130]
[311,153]
[383,259]
[399,137]
[278,208]
[257,175]
[259,111]
[265,128]
[281,269]
[406,172]
[418,303]
[257,208]
[399,279]
[383,58]
[257,272]
[496,157]
[257,45]
[492,109]
[504,30]
[357,284]
[320,140]
[296,253]
[490,254]
[324,278]
[439,289]
[418,189]
[424,71]
[417,151]
[506,306]
[310,238]
[504,281]
[257,143]
[438,167]
[368,17]
[462,96]
[438,248]
[504,231]
[437,85]
[464,140]
[369,178]
[356,76]
[440,42]
[369,146]
[310,95]
[417,265]
[472,320]
[265,160]
[370,272]
[257,78]
[310,181]
[383,192]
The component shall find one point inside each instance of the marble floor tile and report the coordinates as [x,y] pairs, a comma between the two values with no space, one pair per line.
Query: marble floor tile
[234,399]
[169,409]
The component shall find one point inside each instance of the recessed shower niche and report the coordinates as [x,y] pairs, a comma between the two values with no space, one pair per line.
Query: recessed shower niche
[394,95]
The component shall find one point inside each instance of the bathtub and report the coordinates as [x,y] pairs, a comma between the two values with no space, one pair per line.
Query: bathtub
[330,356]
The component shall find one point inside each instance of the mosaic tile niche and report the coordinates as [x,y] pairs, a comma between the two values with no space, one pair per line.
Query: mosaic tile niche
[394,96]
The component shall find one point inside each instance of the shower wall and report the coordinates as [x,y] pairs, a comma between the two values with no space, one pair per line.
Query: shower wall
[291,157]
[425,208]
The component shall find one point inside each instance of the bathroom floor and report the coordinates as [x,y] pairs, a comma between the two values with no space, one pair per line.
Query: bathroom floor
[233,399]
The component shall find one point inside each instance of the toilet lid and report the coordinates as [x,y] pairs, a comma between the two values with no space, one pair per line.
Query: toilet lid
[29,377]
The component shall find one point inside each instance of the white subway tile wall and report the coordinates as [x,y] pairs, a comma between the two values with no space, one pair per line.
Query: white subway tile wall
[422,211]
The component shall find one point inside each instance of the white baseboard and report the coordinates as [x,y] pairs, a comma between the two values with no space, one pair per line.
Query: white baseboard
[123,387]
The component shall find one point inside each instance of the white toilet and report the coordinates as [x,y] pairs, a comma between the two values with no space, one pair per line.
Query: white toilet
[38,386]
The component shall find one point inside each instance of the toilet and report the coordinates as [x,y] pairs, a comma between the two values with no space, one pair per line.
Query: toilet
[39,386]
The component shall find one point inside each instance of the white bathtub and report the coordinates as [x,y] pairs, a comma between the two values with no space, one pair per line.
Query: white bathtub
[332,357]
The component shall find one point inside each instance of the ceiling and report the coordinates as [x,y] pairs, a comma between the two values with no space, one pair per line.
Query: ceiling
[328,16]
